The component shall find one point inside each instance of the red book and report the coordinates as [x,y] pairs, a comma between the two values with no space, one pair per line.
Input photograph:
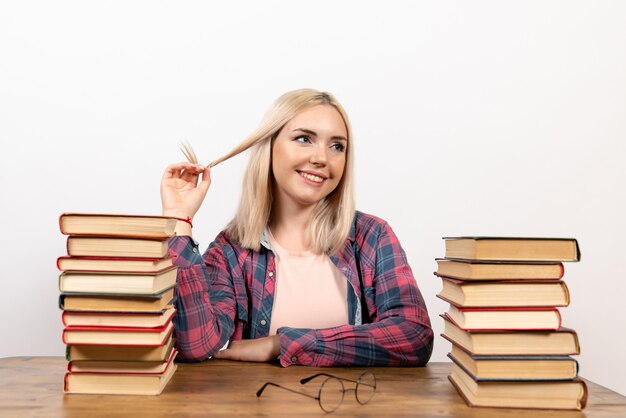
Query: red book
[117,335]
[563,341]
[118,319]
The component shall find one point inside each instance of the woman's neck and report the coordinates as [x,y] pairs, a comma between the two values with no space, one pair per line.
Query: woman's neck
[290,227]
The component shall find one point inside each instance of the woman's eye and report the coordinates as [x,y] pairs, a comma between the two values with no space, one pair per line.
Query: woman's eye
[338,147]
[302,138]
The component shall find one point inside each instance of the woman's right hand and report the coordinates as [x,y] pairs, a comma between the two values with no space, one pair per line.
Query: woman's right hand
[181,195]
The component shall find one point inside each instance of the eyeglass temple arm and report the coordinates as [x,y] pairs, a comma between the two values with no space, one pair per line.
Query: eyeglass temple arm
[260,391]
[308,379]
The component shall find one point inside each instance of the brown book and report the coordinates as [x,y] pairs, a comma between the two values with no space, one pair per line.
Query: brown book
[157,353]
[119,383]
[103,224]
[117,319]
[503,270]
[521,293]
[485,368]
[512,248]
[120,283]
[570,394]
[117,335]
[114,264]
[78,246]
[563,341]
[505,318]
[116,302]
[123,366]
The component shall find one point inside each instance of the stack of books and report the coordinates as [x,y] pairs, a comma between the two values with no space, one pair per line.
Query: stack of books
[117,286]
[509,348]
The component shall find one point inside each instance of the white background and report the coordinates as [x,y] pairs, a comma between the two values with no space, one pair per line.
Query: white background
[470,118]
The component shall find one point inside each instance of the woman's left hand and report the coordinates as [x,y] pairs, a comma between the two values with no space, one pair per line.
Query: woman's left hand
[263,349]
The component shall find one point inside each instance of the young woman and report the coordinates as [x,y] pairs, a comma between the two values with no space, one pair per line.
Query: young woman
[298,275]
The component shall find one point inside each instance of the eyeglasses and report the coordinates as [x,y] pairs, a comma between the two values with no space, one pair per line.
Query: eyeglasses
[331,391]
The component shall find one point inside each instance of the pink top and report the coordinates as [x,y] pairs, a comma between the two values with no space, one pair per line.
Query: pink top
[310,291]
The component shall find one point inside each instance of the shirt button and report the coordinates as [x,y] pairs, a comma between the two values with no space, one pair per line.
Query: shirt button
[271,274]
[294,359]
[263,322]
[195,250]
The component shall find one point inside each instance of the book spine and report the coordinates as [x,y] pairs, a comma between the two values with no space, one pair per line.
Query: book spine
[565,293]
[61,224]
[66,383]
[558,314]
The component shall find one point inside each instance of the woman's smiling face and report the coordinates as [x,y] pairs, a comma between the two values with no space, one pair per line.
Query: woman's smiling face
[309,156]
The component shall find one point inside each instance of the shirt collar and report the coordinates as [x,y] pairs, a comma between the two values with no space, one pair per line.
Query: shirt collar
[265,242]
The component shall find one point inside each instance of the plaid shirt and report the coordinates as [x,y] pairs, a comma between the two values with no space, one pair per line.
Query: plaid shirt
[228,294]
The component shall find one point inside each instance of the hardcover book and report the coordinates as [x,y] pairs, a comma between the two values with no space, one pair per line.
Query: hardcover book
[117,319]
[505,318]
[141,226]
[120,352]
[114,264]
[119,383]
[117,335]
[520,394]
[498,270]
[121,283]
[125,366]
[512,248]
[115,302]
[563,341]
[521,293]
[485,368]
[116,247]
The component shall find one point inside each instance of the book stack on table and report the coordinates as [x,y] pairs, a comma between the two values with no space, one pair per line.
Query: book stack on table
[117,288]
[509,348]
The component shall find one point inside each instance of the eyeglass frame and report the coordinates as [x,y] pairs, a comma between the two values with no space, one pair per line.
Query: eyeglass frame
[319,393]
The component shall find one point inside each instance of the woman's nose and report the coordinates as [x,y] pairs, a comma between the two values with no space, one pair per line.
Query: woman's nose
[318,156]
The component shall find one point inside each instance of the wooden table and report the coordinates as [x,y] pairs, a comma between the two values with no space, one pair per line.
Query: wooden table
[33,386]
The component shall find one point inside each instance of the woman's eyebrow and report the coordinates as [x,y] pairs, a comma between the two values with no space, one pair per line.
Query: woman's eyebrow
[313,133]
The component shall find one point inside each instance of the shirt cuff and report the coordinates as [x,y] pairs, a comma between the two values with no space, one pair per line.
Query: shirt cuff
[184,251]
[297,346]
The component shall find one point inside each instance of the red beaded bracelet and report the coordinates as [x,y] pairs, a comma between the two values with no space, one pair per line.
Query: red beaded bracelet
[188,220]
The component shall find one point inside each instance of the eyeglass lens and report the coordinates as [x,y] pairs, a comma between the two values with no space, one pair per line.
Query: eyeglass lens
[331,394]
[365,387]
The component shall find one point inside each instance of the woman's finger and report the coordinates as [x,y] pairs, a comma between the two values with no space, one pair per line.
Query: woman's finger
[178,169]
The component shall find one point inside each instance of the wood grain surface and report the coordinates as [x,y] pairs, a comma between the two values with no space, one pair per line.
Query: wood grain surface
[33,386]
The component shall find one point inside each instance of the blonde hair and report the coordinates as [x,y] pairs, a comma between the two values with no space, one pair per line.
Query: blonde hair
[332,218]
